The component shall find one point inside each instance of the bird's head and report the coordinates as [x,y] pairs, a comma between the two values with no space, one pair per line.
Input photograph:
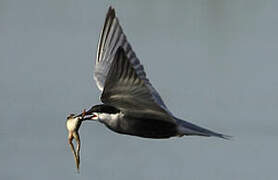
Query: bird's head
[90,115]
[98,112]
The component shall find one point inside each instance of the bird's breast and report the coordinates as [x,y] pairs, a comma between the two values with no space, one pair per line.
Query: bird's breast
[112,121]
[144,127]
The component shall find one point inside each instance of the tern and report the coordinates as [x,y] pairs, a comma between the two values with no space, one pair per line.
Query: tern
[131,105]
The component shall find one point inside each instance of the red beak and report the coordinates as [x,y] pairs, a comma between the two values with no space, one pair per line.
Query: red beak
[93,116]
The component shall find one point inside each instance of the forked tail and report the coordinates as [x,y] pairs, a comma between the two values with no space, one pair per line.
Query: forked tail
[189,129]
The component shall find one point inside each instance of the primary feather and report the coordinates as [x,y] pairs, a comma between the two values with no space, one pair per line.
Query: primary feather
[111,40]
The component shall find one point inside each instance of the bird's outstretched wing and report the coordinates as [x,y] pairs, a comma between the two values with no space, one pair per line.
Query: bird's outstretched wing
[119,74]
[125,90]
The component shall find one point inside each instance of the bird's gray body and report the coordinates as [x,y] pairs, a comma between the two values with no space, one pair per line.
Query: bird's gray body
[149,128]
[143,126]
[155,128]
[146,124]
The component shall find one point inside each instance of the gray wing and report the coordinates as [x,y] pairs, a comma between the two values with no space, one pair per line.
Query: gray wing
[122,86]
[125,90]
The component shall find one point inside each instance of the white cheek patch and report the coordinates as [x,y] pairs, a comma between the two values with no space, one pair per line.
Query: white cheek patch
[109,117]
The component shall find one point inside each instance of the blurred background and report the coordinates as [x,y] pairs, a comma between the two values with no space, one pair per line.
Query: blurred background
[214,63]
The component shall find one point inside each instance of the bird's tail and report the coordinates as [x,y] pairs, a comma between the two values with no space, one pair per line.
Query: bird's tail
[189,129]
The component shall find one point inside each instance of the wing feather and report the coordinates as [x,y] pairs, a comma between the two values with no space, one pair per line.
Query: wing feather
[124,90]
[111,40]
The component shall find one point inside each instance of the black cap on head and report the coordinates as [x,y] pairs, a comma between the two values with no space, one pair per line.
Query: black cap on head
[102,108]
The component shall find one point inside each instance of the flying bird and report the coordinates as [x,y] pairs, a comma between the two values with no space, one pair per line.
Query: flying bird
[130,104]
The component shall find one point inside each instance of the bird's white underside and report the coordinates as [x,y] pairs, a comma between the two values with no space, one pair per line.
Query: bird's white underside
[109,117]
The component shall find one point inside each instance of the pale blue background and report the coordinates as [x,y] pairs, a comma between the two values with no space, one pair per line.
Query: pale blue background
[214,63]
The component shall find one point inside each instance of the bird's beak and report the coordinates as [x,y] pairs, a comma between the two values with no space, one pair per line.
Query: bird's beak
[86,115]
[89,117]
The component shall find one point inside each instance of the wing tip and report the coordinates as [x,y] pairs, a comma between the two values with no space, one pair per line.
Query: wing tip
[111,13]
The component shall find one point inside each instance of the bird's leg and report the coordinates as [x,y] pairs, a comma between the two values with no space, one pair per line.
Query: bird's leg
[70,138]
[77,153]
